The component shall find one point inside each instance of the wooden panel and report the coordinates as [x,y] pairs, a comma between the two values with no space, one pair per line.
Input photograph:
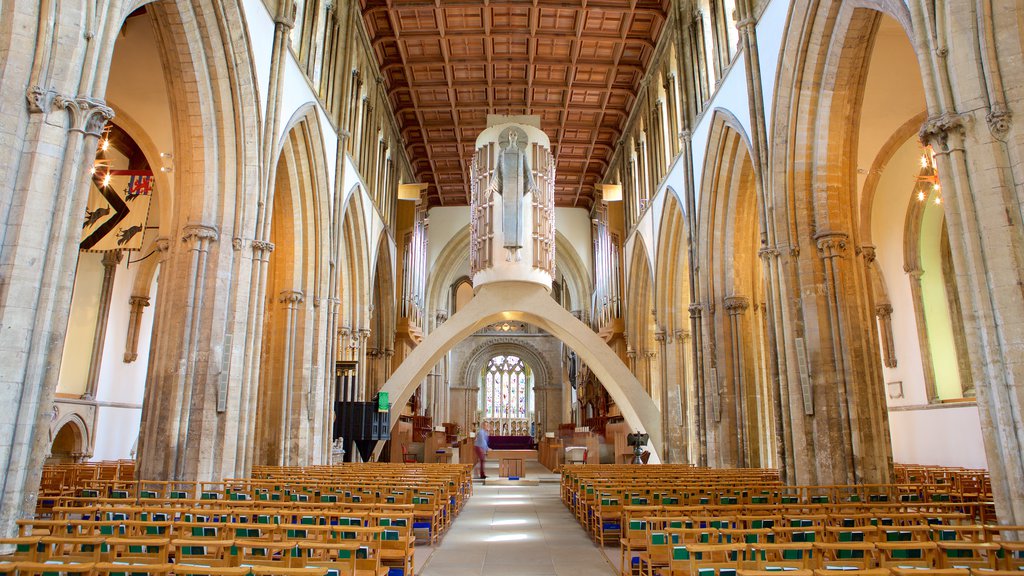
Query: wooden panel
[576,64]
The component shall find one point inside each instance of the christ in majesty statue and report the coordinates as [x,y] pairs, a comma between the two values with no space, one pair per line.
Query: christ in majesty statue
[512,180]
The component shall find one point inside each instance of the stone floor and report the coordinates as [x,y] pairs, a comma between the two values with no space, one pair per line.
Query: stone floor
[515,530]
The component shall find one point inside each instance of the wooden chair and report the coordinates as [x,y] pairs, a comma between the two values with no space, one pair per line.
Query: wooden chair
[395,550]
[907,554]
[715,559]
[633,542]
[865,572]
[202,552]
[965,554]
[840,556]
[781,556]
[657,554]
[128,550]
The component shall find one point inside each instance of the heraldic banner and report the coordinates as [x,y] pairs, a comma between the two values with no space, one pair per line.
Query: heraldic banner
[115,218]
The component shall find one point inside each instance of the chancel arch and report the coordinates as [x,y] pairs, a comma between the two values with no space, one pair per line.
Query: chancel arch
[469,401]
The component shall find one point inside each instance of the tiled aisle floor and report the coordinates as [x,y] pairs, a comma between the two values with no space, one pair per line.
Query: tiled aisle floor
[523,531]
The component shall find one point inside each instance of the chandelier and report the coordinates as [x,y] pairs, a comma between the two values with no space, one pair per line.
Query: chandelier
[926,183]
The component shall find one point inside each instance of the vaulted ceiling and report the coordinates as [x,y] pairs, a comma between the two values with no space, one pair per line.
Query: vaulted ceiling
[577,64]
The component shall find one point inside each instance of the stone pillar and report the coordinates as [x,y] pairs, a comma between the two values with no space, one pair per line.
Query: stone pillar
[697,330]
[666,424]
[41,228]
[291,398]
[884,314]
[362,369]
[181,440]
[685,418]
[131,344]
[914,275]
[110,261]
[735,307]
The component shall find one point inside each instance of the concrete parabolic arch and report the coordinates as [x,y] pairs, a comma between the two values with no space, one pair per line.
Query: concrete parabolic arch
[531,303]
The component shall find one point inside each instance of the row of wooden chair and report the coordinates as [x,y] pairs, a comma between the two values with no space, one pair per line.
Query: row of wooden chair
[369,552]
[666,554]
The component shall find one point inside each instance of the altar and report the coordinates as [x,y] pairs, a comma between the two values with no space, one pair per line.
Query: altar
[510,442]
[512,463]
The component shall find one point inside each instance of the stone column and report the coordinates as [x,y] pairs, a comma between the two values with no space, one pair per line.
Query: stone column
[735,307]
[131,347]
[884,314]
[41,228]
[362,368]
[684,402]
[697,330]
[291,399]
[660,338]
[111,259]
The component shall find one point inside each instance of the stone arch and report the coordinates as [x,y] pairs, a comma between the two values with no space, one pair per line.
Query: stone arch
[296,278]
[568,261]
[641,348]
[736,388]
[450,264]
[380,346]
[542,372]
[355,269]
[455,287]
[73,435]
[672,290]
[835,421]
[215,111]
[530,303]
[481,354]
[898,138]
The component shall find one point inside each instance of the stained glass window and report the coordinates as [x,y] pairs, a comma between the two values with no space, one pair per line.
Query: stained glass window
[505,388]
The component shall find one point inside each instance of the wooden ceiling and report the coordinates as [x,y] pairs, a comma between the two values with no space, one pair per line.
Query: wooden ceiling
[575,63]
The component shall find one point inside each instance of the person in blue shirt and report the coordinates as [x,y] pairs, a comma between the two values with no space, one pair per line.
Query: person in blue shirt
[480,447]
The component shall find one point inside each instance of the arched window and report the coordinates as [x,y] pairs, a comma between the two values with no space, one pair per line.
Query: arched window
[505,392]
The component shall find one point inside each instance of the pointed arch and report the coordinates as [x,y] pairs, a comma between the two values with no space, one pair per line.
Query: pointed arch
[672,290]
[640,320]
[355,268]
[740,419]
[830,369]
[296,279]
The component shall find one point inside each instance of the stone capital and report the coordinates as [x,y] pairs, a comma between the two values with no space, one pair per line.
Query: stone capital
[197,234]
[285,14]
[937,129]
[262,246]
[696,309]
[869,252]
[883,309]
[88,115]
[292,297]
[138,301]
[999,119]
[832,244]
[736,305]
[40,100]
[767,253]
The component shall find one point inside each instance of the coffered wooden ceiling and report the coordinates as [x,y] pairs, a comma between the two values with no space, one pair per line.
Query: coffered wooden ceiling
[575,63]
